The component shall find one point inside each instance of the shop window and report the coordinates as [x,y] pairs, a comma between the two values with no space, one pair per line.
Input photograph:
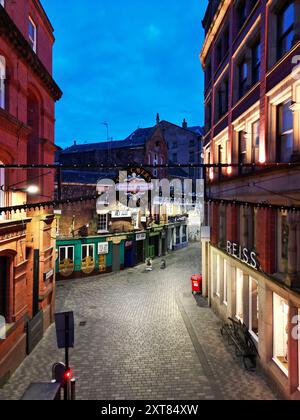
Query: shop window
[177,235]
[2,81]
[284,243]
[87,258]
[286,28]
[102,223]
[242,149]
[225,284]
[255,141]
[218,279]
[239,295]
[280,333]
[66,260]
[285,125]
[253,308]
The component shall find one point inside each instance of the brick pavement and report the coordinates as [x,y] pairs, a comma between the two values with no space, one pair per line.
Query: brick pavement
[145,338]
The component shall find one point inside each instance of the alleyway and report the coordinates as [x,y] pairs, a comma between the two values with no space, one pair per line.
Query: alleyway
[143,336]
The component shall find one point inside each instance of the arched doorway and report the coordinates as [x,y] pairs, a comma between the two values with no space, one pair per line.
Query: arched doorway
[4,285]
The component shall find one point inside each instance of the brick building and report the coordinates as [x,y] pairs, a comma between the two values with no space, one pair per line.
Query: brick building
[27,247]
[252,114]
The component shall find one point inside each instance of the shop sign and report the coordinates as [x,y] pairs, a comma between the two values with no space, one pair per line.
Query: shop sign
[120,214]
[103,248]
[143,219]
[243,254]
[141,237]
[49,274]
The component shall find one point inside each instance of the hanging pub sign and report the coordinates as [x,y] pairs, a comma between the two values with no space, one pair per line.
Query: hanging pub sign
[103,248]
[243,254]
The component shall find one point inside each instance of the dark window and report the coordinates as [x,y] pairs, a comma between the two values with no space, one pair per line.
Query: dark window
[208,74]
[243,78]
[285,143]
[208,116]
[284,243]
[241,13]
[256,50]
[286,29]
[175,157]
[219,53]
[226,41]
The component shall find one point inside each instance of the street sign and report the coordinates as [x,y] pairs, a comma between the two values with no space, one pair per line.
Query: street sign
[64,323]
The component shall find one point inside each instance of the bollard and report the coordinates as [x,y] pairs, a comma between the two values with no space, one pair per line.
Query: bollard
[73,389]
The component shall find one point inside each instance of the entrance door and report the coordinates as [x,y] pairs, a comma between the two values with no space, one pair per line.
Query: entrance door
[116,258]
[3,285]
[129,257]
[140,252]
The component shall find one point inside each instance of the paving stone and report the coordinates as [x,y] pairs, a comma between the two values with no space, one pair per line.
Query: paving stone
[145,337]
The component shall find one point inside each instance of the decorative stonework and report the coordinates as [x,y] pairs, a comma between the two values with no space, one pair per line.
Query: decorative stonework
[9,30]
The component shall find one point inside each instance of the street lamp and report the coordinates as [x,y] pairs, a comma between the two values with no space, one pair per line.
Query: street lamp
[32,189]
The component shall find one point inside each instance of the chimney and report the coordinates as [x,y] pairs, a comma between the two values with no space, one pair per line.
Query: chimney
[75,143]
[157,118]
[184,124]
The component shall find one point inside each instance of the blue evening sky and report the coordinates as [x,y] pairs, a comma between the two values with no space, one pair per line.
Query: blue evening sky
[122,61]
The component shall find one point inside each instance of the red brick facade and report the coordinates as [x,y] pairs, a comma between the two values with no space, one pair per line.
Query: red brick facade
[27,246]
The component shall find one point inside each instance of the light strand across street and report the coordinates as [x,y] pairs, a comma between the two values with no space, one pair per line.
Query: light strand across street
[260,205]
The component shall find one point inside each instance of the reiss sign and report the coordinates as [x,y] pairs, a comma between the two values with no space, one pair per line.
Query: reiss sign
[243,254]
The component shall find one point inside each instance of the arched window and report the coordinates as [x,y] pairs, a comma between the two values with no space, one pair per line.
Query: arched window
[2,81]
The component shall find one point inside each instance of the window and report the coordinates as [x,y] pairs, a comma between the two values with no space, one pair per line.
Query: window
[208,73]
[242,147]
[219,53]
[284,243]
[255,141]
[32,33]
[174,145]
[239,295]
[175,157]
[177,235]
[280,333]
[87,251]
[243,78]
[286,28]
[66,253]
[256,50]
[218,280]
[253,307]
[241,13]
[208,111]
[285,143]
[225,284]
[102,223]
[2,81]
[226,41]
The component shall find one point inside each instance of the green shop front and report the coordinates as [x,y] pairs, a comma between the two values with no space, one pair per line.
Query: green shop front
[84,257]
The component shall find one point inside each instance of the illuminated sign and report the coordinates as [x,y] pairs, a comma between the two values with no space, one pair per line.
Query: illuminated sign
[243,254]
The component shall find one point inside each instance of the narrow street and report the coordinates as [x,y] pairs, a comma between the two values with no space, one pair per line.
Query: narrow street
[143,336]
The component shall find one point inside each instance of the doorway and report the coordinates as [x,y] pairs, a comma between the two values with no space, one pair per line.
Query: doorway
[116,266]
[4,267]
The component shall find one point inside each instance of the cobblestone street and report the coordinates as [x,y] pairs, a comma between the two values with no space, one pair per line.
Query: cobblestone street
[143,336]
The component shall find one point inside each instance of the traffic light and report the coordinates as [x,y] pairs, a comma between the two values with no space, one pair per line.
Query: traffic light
[68,375]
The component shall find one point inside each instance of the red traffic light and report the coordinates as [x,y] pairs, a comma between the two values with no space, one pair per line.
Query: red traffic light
[68,375]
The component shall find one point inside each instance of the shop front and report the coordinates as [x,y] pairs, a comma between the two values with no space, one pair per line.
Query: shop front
[238,289]
[129,258]
[155,242]
[179,228]
[83,257]
[141,247]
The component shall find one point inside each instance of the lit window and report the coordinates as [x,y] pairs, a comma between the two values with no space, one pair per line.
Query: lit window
[280,333]
[218,280]
[239,295]
[253,307]
[2,81]
[88,251]
[285,143]
[286,29]
[225,284]
[102,223]
[255,141]
[32,33]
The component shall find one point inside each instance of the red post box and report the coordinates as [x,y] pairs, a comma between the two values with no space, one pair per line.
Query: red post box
[196,284]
